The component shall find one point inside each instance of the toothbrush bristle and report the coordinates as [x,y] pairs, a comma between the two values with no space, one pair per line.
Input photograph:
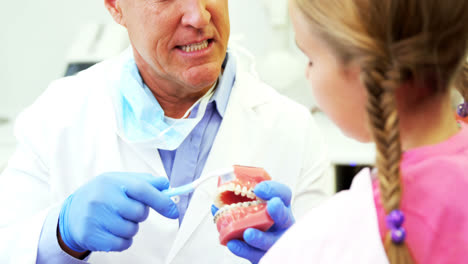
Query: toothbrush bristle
[230,176]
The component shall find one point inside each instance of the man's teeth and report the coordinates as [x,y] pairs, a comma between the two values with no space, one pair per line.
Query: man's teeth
[195,47]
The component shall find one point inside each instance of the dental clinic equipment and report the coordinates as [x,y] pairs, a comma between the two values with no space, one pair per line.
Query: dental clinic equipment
[225,175]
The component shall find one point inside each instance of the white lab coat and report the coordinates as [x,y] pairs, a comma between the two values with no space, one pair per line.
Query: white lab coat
[342,230]
[68,136]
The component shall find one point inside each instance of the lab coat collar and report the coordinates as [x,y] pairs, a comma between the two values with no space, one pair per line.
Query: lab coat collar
[243,94]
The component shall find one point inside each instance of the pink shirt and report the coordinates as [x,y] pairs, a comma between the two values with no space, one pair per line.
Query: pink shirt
[434,201]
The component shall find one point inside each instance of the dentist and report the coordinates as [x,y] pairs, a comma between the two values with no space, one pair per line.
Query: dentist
[96,149]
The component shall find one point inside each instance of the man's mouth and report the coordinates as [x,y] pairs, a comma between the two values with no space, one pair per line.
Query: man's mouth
[196,46]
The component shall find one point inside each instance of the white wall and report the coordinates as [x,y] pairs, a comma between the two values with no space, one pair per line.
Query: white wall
[265,29]
[36,37]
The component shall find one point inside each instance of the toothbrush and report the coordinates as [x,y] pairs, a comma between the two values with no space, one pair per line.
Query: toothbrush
[226,174]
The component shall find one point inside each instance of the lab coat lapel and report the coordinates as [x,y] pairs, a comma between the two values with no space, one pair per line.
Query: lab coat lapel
[232,146]
[151,157]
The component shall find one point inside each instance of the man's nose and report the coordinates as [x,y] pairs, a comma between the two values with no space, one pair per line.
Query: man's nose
[195,14]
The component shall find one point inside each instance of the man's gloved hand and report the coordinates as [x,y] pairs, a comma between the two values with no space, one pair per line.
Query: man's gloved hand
[256,242]
[103,215]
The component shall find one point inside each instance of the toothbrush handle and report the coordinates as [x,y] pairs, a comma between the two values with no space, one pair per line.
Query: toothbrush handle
[188,188]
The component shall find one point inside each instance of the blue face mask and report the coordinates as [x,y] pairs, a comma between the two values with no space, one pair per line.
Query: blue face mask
[141,118]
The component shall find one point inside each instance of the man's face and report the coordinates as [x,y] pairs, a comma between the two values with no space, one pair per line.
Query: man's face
[180,41]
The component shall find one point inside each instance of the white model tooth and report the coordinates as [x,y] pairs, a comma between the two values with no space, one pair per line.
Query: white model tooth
[237,190]
[230,187]
[244,191]
[218,214]
[217,202]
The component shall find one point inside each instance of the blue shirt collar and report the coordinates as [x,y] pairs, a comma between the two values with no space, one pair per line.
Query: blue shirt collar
[226,81]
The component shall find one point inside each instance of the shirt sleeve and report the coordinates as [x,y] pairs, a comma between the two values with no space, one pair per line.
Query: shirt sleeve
[49,250]
[313,185]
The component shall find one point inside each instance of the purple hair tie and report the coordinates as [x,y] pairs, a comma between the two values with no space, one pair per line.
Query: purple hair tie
[395,221]
[462,110]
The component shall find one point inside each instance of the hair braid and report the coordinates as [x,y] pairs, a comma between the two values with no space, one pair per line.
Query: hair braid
[461,83]
[381,84]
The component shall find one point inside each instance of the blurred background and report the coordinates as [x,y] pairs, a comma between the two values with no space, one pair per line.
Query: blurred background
[43,41]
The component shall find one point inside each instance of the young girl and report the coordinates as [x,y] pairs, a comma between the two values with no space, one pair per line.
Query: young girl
[382,71]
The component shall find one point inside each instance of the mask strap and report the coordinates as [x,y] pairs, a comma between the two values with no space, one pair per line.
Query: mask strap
[206,96]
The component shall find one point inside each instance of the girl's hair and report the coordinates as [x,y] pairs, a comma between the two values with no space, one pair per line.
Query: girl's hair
[395,41]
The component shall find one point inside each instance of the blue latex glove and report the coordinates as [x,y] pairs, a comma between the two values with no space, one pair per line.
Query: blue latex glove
[256,243]
[103,215]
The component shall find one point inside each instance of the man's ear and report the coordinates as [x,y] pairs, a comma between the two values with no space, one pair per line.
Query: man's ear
[114,8]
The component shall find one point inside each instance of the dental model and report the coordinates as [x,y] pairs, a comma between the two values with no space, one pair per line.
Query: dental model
[239,208]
